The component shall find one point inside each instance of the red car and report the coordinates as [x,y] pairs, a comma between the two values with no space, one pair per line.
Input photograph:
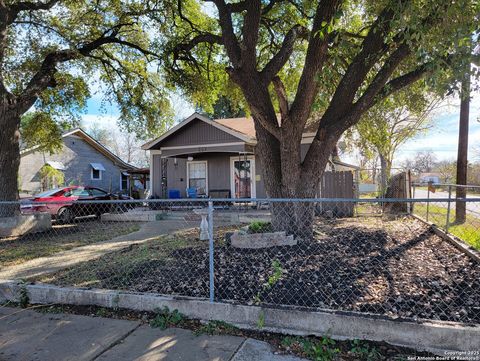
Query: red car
[67,203]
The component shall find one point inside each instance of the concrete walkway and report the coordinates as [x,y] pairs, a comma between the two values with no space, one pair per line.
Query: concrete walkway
[33,336]
[44,265]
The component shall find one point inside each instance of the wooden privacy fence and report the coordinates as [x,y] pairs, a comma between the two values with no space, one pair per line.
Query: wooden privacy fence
[336,185]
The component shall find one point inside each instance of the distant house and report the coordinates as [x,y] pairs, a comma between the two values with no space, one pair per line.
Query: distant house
[82,161]
[213,158]
[434,178]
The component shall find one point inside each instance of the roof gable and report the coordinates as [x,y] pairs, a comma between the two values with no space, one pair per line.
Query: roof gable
[198,130]
[94,144]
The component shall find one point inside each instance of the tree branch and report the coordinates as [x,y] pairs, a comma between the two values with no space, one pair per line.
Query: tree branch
[251,25]
[314,60]
[403,81]
[281,57]
[16,8]
[381,78]
[282,96]
[44,77]
[229,40]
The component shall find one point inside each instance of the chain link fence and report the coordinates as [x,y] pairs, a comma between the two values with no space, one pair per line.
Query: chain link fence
[314,254]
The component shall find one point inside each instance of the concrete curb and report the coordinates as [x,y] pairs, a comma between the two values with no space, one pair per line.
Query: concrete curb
[433,336]
[456,242]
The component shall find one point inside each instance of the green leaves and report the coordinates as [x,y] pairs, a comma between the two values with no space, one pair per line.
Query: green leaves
[123,71]
[40,129]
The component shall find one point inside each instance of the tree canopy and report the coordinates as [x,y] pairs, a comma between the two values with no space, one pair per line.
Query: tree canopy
[390,123]
[319,63]
[55,54]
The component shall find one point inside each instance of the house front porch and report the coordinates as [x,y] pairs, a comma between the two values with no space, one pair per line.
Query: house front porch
[231,173]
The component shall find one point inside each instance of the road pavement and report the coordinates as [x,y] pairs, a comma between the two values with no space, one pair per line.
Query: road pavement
[473,208]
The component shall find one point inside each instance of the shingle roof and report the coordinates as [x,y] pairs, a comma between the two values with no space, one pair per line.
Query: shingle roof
[246,126]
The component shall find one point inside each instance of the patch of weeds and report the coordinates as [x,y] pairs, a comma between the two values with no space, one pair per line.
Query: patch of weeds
[101,312]
[215,328]
[260,227]
[164,318]
[55,309]
[363,351]
[261,320]
[23,296]
[115,302]
[272,280]
[322,350]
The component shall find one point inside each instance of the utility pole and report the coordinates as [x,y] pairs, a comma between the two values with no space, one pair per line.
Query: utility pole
[462,156]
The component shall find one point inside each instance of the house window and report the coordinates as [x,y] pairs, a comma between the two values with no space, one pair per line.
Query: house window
[96,171]
[124,184]
[197,176]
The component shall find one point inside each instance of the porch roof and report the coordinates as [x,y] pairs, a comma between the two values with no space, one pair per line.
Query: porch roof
[185,151]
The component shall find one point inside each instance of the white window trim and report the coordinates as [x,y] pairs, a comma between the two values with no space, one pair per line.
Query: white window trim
[121,183]
[91,174]
[206,173]
[253,177]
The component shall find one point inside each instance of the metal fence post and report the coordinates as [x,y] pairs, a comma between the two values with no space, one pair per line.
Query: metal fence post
[428,200]
[210,248]
[448,208]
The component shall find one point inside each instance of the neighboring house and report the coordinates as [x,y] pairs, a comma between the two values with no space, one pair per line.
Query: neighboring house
[212,157]
[434,178]
[82,160]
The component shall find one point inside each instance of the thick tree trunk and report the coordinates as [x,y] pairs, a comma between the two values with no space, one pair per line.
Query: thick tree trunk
[9,158]
[462,157]
[285,177]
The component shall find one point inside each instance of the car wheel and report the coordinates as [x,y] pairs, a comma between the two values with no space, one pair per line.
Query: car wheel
[65,215]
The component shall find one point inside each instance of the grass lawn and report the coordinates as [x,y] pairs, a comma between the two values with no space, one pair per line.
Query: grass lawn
[15,250]
[468,231]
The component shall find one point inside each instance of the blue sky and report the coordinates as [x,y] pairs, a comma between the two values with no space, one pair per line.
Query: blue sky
[441,138]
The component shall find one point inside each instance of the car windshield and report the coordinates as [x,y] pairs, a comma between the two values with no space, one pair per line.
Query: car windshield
[49,193]
[79,192]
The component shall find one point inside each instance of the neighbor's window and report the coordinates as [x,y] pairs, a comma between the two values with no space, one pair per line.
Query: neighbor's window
[96,171]
[197,176]
[96,174]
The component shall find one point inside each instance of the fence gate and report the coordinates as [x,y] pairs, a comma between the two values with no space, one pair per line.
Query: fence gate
[336,185]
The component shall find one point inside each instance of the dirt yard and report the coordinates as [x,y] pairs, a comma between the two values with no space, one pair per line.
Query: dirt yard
[398,268]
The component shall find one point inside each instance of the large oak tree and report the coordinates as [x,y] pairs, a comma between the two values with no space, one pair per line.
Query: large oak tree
[325,61]
[54,52]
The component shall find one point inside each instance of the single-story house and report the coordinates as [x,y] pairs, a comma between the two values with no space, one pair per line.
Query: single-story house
[82,160]
[434,178]
[216,158]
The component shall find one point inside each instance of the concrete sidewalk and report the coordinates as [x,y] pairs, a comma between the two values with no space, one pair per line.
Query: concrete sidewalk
[33,336]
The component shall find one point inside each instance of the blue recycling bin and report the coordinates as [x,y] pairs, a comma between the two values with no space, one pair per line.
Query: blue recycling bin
[174,193]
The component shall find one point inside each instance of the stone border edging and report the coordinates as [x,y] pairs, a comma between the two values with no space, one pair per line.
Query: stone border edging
[455,241]
[433,336]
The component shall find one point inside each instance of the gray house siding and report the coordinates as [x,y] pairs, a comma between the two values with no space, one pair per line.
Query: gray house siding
[197,132]
[219,173]
[76,156]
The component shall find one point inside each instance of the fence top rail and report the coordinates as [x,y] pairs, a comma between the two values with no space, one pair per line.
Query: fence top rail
[250,200]
[447,185]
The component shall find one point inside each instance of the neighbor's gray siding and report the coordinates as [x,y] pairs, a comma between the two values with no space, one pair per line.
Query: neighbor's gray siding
[76,156]
[197,132]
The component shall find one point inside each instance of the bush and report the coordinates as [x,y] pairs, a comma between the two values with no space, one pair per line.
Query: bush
[260,227]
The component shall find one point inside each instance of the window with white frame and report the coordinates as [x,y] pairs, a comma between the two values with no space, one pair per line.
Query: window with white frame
[197,176]
[96,171]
